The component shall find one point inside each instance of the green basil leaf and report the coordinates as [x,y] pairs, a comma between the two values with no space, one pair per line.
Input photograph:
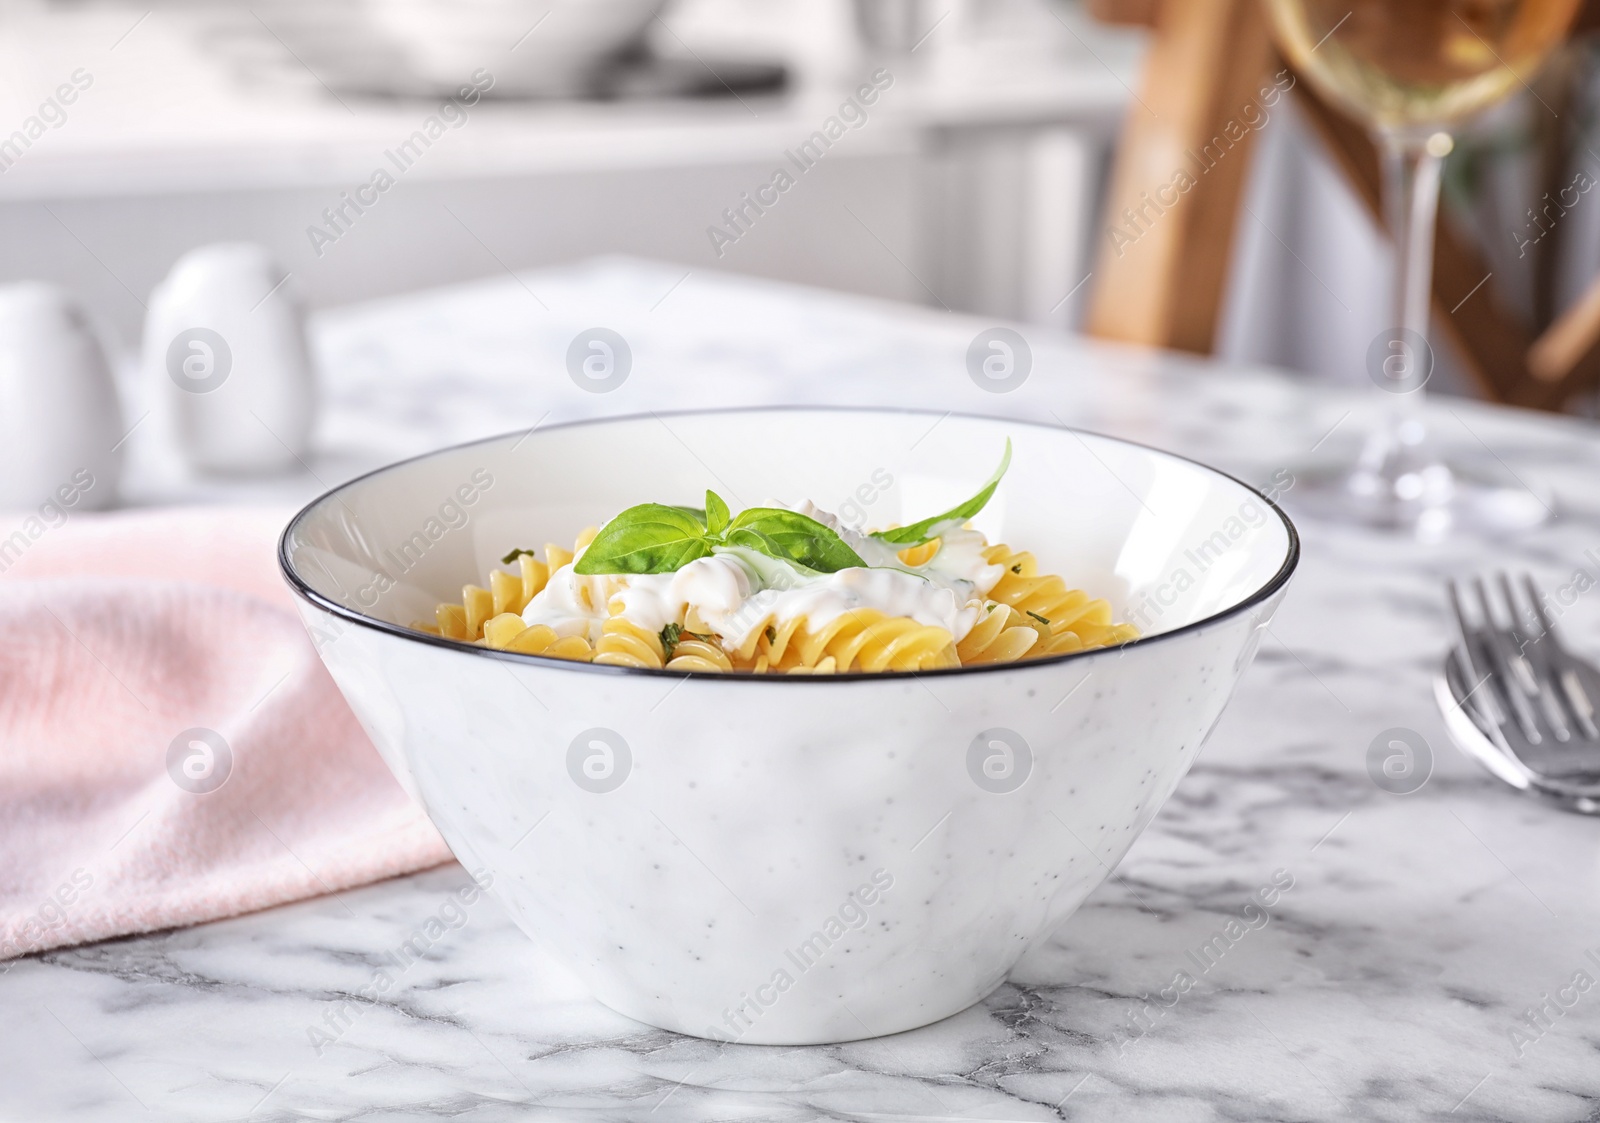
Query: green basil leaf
[716,513]
[699,513]
[649,538]
[791,536]
[918,533]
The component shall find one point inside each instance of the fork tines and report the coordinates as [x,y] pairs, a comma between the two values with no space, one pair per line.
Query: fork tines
[1524,684]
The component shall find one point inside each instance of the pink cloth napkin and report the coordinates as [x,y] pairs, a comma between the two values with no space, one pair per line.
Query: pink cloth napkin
[143,658]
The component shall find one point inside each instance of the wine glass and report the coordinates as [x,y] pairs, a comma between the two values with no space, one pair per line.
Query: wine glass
[1409,70]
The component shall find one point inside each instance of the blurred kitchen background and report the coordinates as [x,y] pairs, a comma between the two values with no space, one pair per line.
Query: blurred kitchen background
[975,181]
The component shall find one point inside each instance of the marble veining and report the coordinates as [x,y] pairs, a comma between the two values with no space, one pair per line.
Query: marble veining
[1393,979]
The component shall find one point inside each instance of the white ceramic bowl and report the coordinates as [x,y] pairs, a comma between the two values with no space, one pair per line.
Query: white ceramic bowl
[536,48]
[792,860]
[532,47]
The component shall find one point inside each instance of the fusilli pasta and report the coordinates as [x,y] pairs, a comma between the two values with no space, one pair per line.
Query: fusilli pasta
[1024,615]
[1073,620]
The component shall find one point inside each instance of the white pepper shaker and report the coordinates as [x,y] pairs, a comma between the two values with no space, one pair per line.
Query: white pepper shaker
[61,422]
[225,339]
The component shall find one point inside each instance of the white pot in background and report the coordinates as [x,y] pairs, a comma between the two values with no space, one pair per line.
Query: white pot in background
[225,340]
[60,418]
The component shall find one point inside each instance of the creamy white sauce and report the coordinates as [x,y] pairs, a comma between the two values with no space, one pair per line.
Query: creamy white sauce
[736,590]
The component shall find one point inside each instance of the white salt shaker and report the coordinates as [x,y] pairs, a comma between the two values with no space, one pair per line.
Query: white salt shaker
[225,339]
[61,423]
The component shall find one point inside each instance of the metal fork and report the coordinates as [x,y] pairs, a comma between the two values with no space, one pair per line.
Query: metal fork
[1516,699]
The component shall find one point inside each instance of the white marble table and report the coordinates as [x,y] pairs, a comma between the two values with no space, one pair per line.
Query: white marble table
[1418,930]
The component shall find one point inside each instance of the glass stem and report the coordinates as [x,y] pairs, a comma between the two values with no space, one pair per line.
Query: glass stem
[1411,201]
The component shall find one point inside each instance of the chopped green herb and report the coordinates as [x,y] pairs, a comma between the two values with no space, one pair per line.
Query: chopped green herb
[1042,619]
[674,634]
[772,634]
[515,554]
[669,640]
[1017,568]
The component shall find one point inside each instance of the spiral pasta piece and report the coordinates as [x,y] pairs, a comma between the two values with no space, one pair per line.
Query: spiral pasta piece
[570,647]
[625,644]
[537,640]
[535,575]
[479,606]
[502,629]
[768,641]
[507,633]
[914,556]
[556,556]
[1075,620]
[1001,635]
[699,655]
[828,666]
[867,640]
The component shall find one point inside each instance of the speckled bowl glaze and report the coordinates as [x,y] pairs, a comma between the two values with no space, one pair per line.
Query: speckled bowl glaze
[793,860]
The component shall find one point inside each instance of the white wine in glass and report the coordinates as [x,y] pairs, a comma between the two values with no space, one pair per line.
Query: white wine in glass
[1410,70]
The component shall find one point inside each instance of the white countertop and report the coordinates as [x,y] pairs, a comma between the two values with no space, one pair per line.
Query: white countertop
[1418,931]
